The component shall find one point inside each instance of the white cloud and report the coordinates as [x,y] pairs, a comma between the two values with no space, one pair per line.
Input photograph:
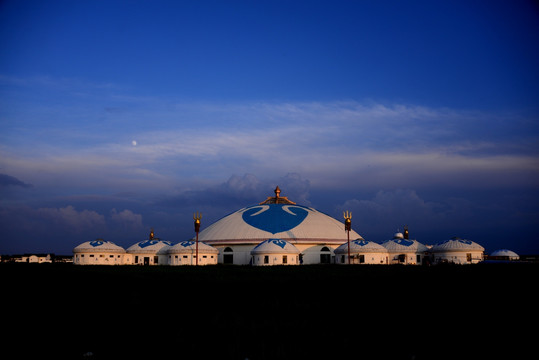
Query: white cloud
[127,218]
[71,219]
[330,143]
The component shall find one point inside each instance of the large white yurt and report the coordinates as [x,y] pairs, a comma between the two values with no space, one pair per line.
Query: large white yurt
[313,233]
[275,252]
[403,250]
[98,252]
[361,252]
[504,254]
[457,251]
[152,251]
[184,253]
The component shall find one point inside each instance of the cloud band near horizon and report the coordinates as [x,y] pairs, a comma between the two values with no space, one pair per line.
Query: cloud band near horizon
[393,145]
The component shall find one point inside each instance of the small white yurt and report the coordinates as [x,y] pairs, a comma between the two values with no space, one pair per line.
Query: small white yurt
[98,252]
[504,254]
[405,251]
[184,253]
[148,252]
[275,252]
[152,251]
[361,252]
[457,251]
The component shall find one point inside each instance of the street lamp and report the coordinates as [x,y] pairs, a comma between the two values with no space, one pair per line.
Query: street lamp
[347,227]
[197,216]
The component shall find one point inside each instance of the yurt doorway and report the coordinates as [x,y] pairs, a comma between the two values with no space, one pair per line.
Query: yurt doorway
[146,260]
[325,255]
[228,256]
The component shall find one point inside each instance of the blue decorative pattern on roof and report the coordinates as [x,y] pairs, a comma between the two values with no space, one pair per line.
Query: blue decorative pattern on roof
[186,243]
[360,242]
[278,242]
[404,242]
[97,243]
[147,243]
[275,218]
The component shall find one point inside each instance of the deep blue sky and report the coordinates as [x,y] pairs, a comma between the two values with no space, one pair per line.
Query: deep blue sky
[116,116]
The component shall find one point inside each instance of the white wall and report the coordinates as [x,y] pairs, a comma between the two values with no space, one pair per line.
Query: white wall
[275,259]
[369,258]
[311,253]
[190,259]
[138,259]
[409,259]
[98,258]
[458,257]
[241,253]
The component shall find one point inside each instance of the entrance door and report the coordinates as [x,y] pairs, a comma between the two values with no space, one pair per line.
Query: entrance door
[325,255]
[228,256]
[146,260]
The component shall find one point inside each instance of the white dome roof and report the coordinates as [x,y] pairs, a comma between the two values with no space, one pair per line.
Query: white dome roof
[294,223]
[398,235]
[275,246]
[361,246]
[457,244]
[505,252]
[401,245]
[190,247]
[153,246]
[99,245]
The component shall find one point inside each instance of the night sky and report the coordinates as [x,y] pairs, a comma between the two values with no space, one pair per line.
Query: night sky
[118,116]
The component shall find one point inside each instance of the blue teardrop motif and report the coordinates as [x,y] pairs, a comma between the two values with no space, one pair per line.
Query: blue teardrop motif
[273,218]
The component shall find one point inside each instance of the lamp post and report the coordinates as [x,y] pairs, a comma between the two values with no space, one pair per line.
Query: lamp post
[347,227]
[197,216]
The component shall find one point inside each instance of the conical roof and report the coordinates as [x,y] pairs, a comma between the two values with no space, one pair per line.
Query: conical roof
[276,218]
[401,245]
[190,248]
[99,245]
[153,246]
[275,246]
[457,244]
[505,252]
[361,246]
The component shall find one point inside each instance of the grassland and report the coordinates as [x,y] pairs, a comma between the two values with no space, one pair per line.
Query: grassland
[233,312]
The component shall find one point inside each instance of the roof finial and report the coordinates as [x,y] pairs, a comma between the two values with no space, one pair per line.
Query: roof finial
[151,234]
[277,199]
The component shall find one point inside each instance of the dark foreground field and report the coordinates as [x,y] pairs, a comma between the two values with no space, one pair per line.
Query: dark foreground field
[230,312]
